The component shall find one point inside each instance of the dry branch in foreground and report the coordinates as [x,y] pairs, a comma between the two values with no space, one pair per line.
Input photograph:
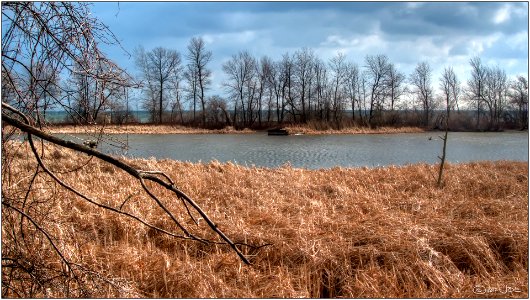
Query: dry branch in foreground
[157,181]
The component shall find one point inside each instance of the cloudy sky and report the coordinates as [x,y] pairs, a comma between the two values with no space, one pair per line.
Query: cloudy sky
[441,33]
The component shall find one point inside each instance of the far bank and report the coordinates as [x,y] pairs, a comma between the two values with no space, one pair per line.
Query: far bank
[179,129]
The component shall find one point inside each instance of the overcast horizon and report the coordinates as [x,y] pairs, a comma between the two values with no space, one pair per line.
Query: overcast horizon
[441,33]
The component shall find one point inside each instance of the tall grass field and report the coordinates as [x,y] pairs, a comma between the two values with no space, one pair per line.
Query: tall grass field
[341,232]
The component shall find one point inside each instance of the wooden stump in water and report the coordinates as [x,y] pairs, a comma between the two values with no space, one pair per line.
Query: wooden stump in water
[277,131]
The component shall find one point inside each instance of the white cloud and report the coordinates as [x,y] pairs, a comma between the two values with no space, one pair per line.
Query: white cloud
[518,40]
[414,5]
[241,37]
[477,45]
[502,15]
[365,44]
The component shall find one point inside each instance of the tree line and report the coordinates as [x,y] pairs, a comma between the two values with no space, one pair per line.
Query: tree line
[297,88]
[303,88]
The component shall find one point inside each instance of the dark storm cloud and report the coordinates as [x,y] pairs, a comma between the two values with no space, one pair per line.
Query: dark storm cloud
[407,32]
[154,19]
[452,18]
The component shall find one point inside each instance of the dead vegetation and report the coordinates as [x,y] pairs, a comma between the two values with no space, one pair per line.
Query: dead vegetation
[311,129]
[385,232]
[141,129]
[178,129]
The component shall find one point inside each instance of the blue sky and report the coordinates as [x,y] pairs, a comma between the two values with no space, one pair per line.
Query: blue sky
[441,33]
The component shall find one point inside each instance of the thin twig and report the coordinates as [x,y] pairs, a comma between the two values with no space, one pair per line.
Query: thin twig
[36,225]
[154,197]
[172,184]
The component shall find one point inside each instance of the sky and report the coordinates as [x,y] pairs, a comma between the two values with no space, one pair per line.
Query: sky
[441,33]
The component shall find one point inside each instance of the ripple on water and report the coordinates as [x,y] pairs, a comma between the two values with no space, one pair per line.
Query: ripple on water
[327,151]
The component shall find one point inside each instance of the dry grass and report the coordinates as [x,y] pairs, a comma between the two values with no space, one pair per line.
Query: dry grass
[177,129]
[142,129]
[309,129]
[385,232]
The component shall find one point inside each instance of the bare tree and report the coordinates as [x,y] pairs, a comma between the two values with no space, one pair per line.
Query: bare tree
[321,88]
[476,84]
[241,72]
[277,84]
[488,89]
[421,81]
[363,95]
[353,82]
[395,85]
[337,65]
[450,86]
[302,76]
[45,82]
[495,95]
[377,69]
[519,98]
[218,115]
[177,91]
[198,58]
[266,75]
[89,94]
[28,52]
[160,68]
[147,82]
[191,88]
[286,66]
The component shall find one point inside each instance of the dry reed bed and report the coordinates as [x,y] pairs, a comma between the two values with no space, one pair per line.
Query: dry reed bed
[385,232]
[142,129]
[177,129]
[310,129]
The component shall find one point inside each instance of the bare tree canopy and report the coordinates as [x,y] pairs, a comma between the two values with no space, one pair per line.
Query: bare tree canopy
[64,37]
[241,70]
[339,74]
[519,98]
[198,58]
[377,69]
[421,81]
[160,72]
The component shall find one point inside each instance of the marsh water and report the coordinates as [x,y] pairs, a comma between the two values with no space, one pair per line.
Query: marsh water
[320,151]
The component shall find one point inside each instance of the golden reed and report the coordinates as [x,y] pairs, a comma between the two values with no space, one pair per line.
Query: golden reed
[340,232]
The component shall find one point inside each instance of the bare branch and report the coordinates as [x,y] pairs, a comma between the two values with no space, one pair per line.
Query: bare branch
[39,228]
[140,175]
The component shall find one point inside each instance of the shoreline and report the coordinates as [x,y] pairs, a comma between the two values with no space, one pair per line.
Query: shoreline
[178,129]
[292,130]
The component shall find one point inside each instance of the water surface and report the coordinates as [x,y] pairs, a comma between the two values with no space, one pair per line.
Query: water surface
[322,151]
